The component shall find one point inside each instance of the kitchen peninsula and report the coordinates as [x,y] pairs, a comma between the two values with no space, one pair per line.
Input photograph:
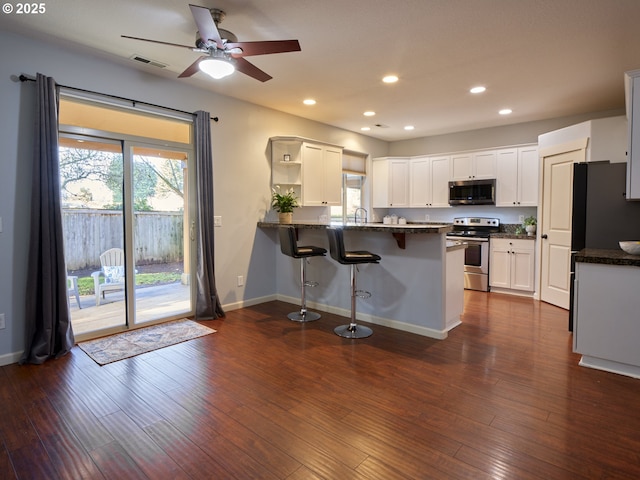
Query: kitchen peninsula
[417,286]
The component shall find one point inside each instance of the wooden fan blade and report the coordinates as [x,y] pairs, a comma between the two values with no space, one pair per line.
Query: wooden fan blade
[158,41]
[250,69]
[206,26]
[193,68]
[264,48]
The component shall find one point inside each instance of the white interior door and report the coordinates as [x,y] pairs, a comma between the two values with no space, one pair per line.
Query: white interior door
[557,200]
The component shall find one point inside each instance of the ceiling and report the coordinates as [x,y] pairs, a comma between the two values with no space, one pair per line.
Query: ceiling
[541,58]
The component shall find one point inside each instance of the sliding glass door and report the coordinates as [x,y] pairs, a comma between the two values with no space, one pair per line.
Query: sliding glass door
[161,232]
[128,230]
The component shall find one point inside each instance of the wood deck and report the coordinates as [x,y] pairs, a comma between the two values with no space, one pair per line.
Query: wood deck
[502,398]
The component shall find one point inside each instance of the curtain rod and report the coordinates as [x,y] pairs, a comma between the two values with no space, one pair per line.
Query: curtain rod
[24,78]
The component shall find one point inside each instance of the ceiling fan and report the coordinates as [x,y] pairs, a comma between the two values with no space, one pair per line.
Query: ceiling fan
[222,52]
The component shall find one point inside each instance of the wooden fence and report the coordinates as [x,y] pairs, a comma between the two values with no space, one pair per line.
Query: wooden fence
[88,233]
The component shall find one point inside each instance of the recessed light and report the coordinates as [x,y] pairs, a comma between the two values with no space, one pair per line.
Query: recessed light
[505,111]
[365,129]
[390,79]
[369,113]
[409,127]
[309,101]
[478,89]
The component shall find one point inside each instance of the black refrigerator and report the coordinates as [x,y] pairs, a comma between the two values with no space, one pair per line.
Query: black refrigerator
[601,215]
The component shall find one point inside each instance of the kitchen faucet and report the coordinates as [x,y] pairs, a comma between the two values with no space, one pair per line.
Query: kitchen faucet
[355,215]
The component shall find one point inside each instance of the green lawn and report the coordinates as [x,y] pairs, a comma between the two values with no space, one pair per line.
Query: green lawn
[85,284]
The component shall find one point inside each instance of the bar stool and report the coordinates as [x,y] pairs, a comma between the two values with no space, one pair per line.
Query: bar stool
[353,258]
[289,246]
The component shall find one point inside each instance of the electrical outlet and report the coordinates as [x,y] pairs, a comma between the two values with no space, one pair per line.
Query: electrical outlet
[323,219]
[0,224]
[2,322]
[521,219]
[240,280]
[426,217]
[217,221]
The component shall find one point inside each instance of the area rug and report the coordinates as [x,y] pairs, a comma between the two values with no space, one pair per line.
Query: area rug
[129,344]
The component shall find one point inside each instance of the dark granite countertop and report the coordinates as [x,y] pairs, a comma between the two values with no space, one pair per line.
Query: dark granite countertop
[607,257]
[371,227]
[515,236]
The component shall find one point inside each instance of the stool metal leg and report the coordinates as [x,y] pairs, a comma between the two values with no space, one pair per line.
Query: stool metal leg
[304,315]
[353,330]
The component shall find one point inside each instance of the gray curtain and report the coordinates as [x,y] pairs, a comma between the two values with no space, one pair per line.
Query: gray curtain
[48,323]
[207,301]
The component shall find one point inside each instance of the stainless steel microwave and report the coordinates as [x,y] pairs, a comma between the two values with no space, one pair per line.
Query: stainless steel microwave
[472,192]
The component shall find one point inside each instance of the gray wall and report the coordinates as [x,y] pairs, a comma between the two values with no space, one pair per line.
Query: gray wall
[241,167]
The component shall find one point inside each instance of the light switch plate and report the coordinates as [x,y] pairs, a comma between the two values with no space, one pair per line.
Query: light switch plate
[0,224]
[2,322]
[217,221]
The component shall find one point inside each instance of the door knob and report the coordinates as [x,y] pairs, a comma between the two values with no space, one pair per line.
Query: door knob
[544,235]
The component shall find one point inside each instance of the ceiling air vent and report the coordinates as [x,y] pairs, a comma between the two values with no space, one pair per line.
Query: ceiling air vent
[381,125]
[141,59]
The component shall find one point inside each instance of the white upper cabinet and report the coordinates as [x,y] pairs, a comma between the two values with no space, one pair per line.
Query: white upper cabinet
[632,92]
[429,182]
[390,182]
[312,169]
[473,166]
[517,177]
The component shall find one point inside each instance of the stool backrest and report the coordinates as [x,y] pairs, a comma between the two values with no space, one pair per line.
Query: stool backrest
[288,242]
[336,244]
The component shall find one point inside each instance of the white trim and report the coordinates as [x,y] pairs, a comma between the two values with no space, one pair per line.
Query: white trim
[610,366]
[248,303]
[580,144]
[385,322]
[9,358]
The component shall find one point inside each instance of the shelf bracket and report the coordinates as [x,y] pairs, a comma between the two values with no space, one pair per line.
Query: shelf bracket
[400,240]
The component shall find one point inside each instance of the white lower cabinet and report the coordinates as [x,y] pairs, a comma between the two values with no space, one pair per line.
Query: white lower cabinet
[512,264]
[606,329]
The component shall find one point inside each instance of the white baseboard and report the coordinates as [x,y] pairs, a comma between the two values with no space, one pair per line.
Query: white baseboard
[249,303]
[9,358]
[385,322]
[610,366]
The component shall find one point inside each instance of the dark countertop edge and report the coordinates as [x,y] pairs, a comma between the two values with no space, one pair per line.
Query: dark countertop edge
[368,228]
[607,257]
[514,236]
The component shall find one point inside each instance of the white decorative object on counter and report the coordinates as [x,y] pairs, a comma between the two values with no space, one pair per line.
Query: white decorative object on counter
[631,247]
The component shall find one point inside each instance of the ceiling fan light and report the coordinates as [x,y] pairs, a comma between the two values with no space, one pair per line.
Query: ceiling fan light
[216,67]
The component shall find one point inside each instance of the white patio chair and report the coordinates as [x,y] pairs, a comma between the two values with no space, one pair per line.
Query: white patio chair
[112,271]
[72,288]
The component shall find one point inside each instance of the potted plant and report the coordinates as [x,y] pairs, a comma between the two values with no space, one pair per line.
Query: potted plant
[530,225]
[283,203]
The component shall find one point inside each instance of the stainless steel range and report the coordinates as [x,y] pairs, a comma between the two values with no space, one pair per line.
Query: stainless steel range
[475,232]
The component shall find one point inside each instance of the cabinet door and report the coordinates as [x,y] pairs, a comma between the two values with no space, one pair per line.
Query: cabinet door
[632,91]
[522,265]
[332,176]
[313,173]
[461,167]
[507,177]
[399,183]
[440,182]
[420,182]
[484,165]
[500,264]
[380,184]
[528,164]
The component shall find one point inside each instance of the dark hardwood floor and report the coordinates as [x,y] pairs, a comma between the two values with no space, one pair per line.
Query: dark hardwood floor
[267,398]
